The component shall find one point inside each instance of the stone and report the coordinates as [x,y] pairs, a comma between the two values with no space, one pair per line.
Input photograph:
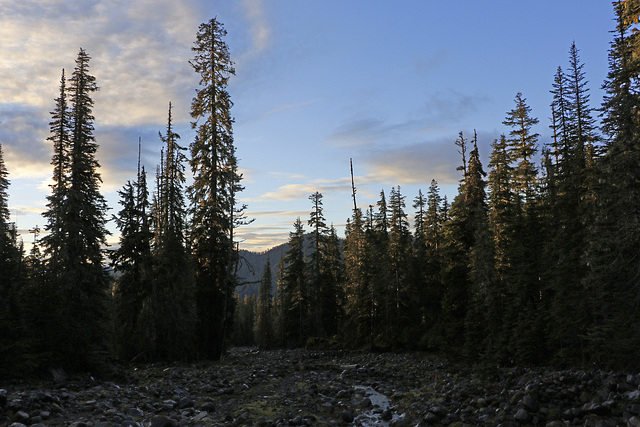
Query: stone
[3,398]
[345,417]
[22,416]
[431,418]
[522,416]
[163,421]
[208,406]
[185,402]
[386,415]
[17,425]
[401,421]
[365,403]
[201,416]
[530,404]
[135,412]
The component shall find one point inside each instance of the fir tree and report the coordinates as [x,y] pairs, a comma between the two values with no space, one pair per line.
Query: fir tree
[295,293]
[402,295]
[264,318]
[522,146]
[171,300]
[216,182]
[12,350]
[360,304]
[614,241]
[76,220]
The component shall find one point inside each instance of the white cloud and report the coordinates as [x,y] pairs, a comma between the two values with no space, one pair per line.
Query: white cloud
[301,191]
[259,28]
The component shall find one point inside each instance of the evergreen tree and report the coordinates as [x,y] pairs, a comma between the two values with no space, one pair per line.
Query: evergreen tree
[570,209]
[171,300]
[43,300]
[502,205]
[315,274]
[264,316]
[457,239]
[360,303]
[522,146]
[295,294]
[480,256]
[333,295]
[614,241]
[75,264]
[60,128]
[402,295]
[12,351]
[433,263]
[381,279]
[216,181]
[129,288]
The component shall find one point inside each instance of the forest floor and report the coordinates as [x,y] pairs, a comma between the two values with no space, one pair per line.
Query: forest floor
[310,387]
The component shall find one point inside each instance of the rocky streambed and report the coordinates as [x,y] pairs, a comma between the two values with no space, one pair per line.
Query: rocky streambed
[308,387]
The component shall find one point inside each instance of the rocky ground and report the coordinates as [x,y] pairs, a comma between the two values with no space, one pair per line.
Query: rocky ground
[307,387]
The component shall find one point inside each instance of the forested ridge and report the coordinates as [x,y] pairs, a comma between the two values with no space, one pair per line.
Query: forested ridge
[535,261]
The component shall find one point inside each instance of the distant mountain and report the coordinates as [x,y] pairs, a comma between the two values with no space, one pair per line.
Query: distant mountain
[252,266]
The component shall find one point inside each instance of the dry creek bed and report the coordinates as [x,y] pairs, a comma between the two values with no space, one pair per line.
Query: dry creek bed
[310,387]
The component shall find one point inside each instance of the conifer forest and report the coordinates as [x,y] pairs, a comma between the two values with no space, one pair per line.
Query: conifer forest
[534,262]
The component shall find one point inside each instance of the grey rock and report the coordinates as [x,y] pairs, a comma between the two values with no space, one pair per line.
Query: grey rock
[3,398]
[401,421]
[17,425]
[135,412]
[163,421]
[185,402]
[634,421]
[365,403]
[345,417]
[208,406]
[201,416]
[22,416]
[530,404]
[522,416]
[431,418]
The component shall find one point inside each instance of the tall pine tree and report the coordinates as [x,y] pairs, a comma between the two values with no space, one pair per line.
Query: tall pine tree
[76,259]
[216,182]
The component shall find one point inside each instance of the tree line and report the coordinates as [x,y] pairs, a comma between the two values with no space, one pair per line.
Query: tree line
[171,294]
[535,262]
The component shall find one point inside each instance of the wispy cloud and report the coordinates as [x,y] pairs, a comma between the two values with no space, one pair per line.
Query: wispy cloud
[260,31]
[302,190]
[140,54]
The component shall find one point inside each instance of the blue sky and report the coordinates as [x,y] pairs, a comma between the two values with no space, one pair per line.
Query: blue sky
[387,83]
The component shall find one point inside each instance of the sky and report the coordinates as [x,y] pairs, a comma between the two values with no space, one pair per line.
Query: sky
[389,84]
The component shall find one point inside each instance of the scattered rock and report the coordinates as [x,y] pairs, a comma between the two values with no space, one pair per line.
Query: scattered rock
[522,416]
[338,387]
[345,417]
[163,421]
[530,404]
[22,416]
